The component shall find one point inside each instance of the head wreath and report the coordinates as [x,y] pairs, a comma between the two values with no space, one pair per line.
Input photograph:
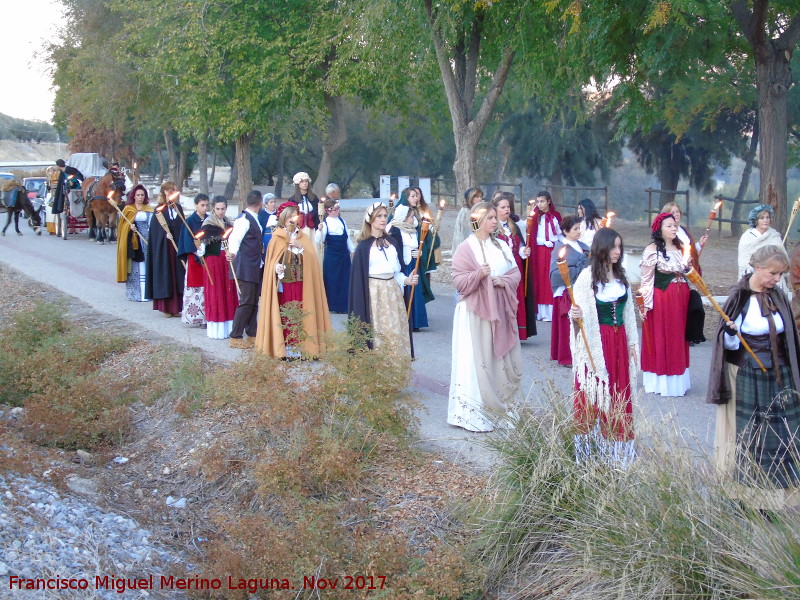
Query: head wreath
[284,206]
[760,208]
[660,219]
[371,211]
[301,176]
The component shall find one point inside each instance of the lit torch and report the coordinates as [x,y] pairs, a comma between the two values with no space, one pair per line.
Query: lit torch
[563,270]
[198,238]
[173,199]
[424,227]
[606,221]
[795,208]
[163,222]
[475,222]
[225,237]
[436,224]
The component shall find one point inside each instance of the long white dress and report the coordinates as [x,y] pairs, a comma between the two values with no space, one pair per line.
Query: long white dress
[483,388]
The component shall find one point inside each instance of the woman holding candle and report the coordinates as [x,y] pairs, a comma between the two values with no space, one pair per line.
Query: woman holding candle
[377,284]
[545,233]
[404,227]
[665,362]
[576,254]
[511,234]
[165,273]
[292,277]
[604,392]
[589,220]
[696,314]
[463,226]
[131,250]
[757,439]
[336,259]
[486,364]
[221,298]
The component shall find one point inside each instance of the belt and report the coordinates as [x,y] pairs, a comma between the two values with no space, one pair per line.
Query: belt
[382,277]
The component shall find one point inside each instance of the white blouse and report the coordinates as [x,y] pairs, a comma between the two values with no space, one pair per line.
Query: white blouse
[384,264]
[335,227]
[754,323]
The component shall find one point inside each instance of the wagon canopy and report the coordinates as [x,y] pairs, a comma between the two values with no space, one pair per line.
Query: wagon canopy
[88,163]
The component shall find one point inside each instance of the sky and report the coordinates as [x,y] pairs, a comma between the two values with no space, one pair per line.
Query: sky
[34,21]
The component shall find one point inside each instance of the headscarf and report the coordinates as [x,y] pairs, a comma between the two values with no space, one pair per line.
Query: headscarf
[371,211]
[753,217]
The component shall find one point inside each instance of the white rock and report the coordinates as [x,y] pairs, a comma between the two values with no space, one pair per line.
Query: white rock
[120,460]
[181,503]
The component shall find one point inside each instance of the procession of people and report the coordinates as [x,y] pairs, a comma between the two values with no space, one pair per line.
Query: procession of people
[270,279]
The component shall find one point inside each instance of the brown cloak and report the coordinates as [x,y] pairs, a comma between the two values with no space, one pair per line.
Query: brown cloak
[317,322]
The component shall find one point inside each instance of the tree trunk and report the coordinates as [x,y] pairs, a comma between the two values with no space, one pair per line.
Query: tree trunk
[337,136]
[557,193]
[202,160]
[279,168]
[231,185]
[668,179]
[170,148]
[503,154]
[244,167]
[183,158]
[160,163]
[213,169]
[749,159]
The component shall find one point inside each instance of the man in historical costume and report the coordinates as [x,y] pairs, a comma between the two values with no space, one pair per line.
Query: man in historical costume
[69,182]
[193,312]
[244,249]
[316,324]
[165,273]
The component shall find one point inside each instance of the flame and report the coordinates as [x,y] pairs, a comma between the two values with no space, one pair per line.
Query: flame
[562,253]
[110,195]
[393,196]
[687,254]
[717,205]
[227,233]
[530,207]
[323,199]
[443,203]
[135,166]
[174,196]
[200,235]
[160,209]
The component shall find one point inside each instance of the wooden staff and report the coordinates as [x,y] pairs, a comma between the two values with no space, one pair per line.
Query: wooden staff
[197,241]
[163,222]
[225,237]
[529,224]
[172,199]
[423,234]
[113,203]
[391,206]
[795,208]
[695,278]
[642,312]
[563,269]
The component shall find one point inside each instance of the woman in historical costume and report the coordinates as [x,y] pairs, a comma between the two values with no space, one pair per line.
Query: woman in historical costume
[377,284]
[307,205]
[696,316]
[221,298]
[757,439]
[545,233]
[603,408]
[405,228]
[510,232]
[589,220]
[665,358]
[486,363]
[759,235]
[463,227]
[165,271]
[428,262]
[336,257]
[292,275]
[131,252]
[194,294]
[576,253]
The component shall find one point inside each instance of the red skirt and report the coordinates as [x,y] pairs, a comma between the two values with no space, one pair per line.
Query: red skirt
[559,333]
[541,274]
[221,297]
[292,292]
[194,272]
[617,423]
[665,350]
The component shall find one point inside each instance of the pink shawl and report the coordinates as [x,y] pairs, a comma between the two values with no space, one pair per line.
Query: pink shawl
[496,305]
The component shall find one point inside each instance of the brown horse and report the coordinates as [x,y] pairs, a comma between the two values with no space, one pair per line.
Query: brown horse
[18,198]
[99,212]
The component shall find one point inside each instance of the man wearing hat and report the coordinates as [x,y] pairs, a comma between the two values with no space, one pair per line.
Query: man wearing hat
[307,205]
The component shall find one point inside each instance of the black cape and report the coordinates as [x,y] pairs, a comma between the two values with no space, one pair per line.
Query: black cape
[165,272]
[358,293]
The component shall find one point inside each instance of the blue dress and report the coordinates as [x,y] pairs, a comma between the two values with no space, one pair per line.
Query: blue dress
[419,315]
[336,270]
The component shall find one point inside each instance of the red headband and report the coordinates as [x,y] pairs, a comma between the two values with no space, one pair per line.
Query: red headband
[289,204]
[659,219]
